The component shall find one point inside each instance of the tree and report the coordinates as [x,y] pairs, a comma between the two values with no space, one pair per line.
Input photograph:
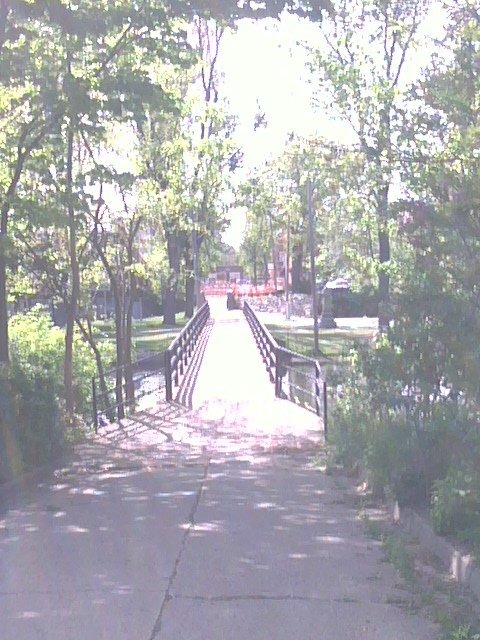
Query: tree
[29,109]
[187,158]
[418,387]
[259,196]
[439,222]
[366,49]
[102,55]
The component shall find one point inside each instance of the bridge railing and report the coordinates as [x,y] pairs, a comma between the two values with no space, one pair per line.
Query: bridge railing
[181,350]
[307,385]
[266,343]
[306,382]
[109,401]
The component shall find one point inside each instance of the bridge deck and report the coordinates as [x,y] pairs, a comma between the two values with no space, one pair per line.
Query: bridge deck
[229,383]
[232,369]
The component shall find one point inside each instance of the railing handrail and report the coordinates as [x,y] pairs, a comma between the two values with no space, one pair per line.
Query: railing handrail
[278,353]
[181,348]
[266,332]
[299,356]
[192,322]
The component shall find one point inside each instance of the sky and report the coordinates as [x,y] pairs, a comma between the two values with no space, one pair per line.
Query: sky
[264,69]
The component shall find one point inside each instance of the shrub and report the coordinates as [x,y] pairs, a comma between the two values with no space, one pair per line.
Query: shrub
[456,502]
[31,417]
[407,443]
[37,351]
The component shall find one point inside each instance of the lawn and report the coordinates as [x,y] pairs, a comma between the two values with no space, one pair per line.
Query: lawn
[332,342]
[149,335]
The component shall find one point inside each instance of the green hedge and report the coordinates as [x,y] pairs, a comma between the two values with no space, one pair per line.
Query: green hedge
[32,429]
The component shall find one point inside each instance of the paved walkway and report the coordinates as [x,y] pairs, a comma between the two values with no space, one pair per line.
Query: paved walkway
[208,524]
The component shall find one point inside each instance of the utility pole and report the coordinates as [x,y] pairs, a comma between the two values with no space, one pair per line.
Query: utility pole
[313,275]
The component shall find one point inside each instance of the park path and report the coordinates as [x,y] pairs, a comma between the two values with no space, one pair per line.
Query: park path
[213,523]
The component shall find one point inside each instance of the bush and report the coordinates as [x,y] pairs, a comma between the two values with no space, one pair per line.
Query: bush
[406,443]
[32,429]
[456,503]
[37,351]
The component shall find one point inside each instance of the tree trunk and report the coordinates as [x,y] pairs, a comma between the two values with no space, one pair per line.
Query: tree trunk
[274,253]
[119,353]
[189,285]
[130,298]
[71,306]
[255,275]
[297,269]
[170,297]
[5,208]
[88,336]
[128,365]
[4,355]
[265,269]
[383,281]
[384,315]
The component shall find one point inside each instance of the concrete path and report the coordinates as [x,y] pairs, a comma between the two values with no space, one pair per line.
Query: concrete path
[208,524]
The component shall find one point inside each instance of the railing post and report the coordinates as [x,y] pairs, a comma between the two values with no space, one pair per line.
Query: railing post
[181,351]
[94,405]
[278,378]
[168,376]
[317,390]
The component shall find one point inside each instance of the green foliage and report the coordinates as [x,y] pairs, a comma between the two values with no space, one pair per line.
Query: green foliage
[456,503]
[397,553]
[407,437]
[32,426]
[464,632]
[37,353]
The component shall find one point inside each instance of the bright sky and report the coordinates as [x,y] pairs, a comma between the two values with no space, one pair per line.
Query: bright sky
[264,71]
[262,63]
[265,68]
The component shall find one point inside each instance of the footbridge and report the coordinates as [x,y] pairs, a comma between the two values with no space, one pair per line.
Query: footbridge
[236,360]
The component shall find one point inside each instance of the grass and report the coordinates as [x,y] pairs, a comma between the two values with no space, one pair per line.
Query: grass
[394,546]
[464,632]
[149,335]
[332,342]
[398,555]
[453,610]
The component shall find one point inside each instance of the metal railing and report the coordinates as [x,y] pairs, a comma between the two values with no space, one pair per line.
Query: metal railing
[181,349]
[282,363]
[266,343]
[311,391]
[146,378]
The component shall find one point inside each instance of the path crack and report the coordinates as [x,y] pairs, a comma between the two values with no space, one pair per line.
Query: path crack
[157,627]
[262,597]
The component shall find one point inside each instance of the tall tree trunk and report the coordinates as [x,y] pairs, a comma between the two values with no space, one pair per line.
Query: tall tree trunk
[4,355]
[255,275]
[384,257]
[5,208]
[88,336]
[119,324]
[265,269]
[274,253]
[128,364]
[71,307]
[130,299]
[383,280]
[297,269]
[189,284]
[170,297]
